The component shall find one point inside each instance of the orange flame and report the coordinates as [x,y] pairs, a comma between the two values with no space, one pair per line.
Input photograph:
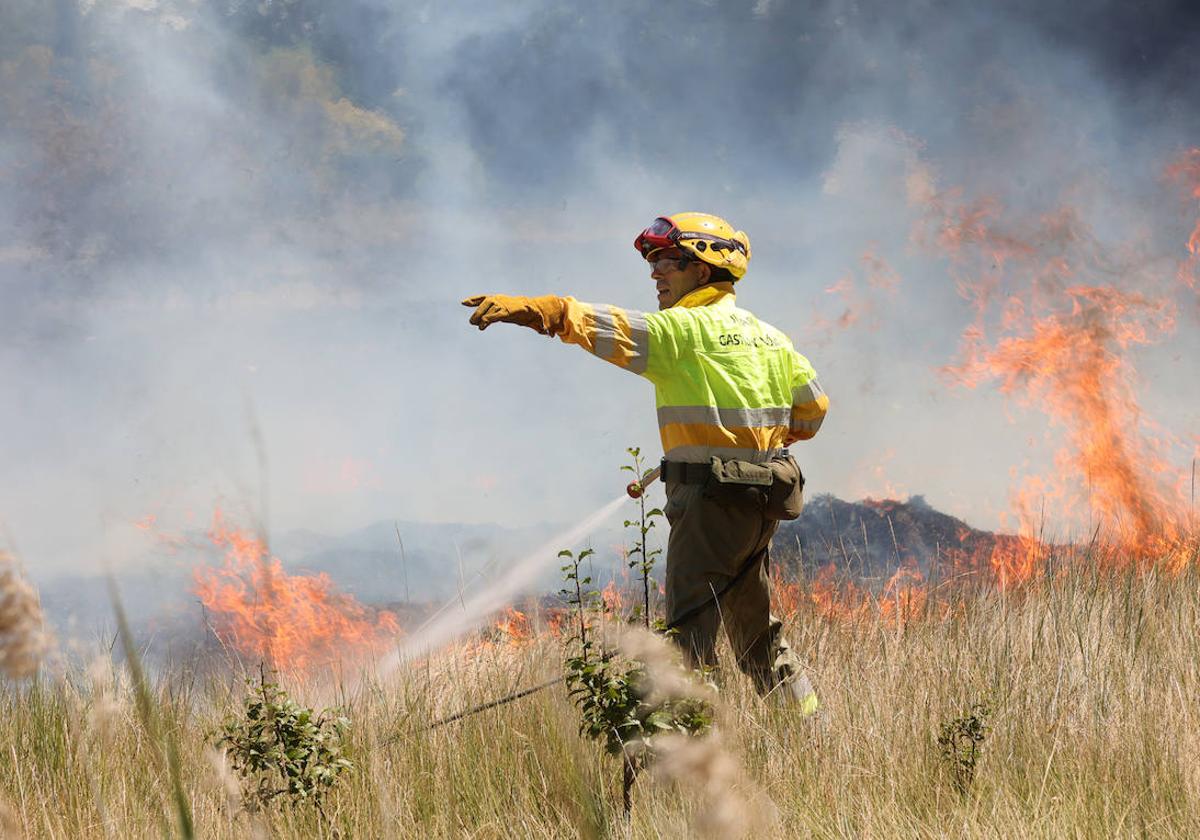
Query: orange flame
[860,305]
[786,597]
[904,595]
[294,622]
[614,602]
[558,621]
[1186,170]
[513,626]
[1071,366]
[1013,560]
[1064,350]
[901,600]
[880,274]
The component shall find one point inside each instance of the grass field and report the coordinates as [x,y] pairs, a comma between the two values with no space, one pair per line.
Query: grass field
[1092,683]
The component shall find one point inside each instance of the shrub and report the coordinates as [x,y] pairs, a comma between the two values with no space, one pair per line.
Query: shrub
[281,749]
[961,743]
[621,702]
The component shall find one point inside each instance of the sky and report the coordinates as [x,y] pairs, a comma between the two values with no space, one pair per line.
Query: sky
[234,235]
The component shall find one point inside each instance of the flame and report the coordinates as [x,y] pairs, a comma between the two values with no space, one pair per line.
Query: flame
[1072,366]
[880,275]
[1056,318]
[851,313]
[513,627]
[881,487]
[558,621]
[1186,170]
[904,596]
[1013,560]
[786,597]
[294,622]
[614,602]
[901,600]
[860,305]
[845,601]
[844,286]
[1063,346]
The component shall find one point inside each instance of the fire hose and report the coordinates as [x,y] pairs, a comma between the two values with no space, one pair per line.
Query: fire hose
[635,489]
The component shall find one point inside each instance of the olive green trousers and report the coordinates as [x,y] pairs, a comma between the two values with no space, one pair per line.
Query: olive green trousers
[717,574]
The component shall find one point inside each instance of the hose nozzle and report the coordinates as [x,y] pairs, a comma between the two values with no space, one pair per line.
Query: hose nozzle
[635,489]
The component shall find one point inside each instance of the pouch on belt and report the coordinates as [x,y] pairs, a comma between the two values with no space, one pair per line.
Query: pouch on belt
[779,482]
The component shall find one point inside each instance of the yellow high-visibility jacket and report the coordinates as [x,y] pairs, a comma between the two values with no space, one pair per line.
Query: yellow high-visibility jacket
[726,383]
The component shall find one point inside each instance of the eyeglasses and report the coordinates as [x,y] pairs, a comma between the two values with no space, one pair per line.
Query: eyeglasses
[665,264]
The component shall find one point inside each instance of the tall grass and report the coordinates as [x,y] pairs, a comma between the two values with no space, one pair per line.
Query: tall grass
[1092,681]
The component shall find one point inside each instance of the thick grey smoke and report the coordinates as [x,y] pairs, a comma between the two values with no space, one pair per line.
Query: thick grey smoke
[226,220]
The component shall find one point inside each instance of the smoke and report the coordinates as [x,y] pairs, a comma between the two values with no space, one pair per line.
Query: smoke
[226,221]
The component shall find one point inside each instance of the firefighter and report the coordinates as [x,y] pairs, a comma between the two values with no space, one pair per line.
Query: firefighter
[732,393]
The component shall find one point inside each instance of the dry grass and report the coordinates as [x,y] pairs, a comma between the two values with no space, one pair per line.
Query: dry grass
[1096,733]
[22,637]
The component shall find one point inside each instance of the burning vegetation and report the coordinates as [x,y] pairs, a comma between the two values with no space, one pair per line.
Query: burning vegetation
[1057,316]
[290,621]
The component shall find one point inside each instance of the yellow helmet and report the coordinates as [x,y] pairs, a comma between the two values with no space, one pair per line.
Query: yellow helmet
[704,236]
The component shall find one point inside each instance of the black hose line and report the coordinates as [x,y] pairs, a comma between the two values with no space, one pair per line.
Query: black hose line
[483,707]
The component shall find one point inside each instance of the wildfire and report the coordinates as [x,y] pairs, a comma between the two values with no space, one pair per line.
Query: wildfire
[1072,367]
[881,488]
[558,621]
[1186,170]
[513,626]
[902,599]
[786,597]
[904,595]
[293,622]
[861,303]
[1011,561]
[1060,344]
[614,601]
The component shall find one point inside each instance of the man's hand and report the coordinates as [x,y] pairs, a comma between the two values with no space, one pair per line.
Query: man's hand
[544,314]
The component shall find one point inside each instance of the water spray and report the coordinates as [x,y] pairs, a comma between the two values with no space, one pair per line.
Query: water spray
[448,623]
[441,628]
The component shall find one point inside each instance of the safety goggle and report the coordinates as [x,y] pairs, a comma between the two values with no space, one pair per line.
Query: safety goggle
[663,233]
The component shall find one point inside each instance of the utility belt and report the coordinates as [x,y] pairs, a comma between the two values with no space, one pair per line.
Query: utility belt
[777,485]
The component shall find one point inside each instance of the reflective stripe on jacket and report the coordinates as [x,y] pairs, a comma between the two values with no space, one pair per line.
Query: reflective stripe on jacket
[726,383]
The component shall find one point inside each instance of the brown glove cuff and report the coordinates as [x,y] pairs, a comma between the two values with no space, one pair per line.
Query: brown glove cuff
[553,311]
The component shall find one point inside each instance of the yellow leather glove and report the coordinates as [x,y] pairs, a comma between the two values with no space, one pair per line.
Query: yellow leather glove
[544,314]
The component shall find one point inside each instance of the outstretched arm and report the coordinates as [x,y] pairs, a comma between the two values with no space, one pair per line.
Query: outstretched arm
[619,336]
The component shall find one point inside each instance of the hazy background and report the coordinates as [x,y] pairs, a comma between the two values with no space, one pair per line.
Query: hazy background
[227,221]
